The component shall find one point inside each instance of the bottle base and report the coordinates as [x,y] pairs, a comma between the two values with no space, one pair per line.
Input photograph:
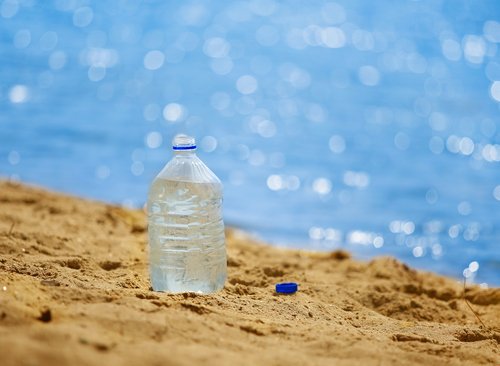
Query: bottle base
[179,288]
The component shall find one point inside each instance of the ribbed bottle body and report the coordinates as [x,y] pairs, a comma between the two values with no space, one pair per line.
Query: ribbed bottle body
[186,236]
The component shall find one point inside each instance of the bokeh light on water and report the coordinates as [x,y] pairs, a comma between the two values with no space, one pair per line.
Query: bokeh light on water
[371,126]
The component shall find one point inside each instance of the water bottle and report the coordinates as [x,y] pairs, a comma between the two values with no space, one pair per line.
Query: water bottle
[185,227]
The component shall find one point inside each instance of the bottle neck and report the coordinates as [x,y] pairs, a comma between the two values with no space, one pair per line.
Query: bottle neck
[184,153]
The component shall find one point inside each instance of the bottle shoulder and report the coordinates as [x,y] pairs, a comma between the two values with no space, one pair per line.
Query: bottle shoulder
[188,169]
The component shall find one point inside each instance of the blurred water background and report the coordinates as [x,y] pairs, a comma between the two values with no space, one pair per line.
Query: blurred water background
[370,126]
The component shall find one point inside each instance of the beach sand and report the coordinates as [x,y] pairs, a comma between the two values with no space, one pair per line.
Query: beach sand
[74,289]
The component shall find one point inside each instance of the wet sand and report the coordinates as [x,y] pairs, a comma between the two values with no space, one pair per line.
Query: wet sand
[74,290]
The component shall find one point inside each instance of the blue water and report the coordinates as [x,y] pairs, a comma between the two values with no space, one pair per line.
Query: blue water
[369,126]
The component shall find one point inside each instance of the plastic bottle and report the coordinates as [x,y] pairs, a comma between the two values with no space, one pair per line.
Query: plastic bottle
[185,227]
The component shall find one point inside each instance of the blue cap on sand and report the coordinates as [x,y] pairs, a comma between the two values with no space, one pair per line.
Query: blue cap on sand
[286,288]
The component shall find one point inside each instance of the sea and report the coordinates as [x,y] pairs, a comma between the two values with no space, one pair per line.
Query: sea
[368,126]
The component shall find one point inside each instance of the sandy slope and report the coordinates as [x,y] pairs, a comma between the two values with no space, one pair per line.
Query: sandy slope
[74,290]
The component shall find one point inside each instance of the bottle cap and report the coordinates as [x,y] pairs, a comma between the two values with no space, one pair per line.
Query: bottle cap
[286,288]
[183,142]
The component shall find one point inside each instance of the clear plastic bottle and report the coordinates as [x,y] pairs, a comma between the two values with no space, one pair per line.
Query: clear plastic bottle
[185,227]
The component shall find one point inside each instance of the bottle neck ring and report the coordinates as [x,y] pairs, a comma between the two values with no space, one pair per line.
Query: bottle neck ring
[191,147]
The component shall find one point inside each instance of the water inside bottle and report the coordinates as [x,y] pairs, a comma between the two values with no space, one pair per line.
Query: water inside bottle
[186,236]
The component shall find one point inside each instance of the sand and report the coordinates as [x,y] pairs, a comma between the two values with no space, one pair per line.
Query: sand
[74,290]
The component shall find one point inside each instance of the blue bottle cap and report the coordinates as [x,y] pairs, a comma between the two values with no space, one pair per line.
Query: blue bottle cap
[286,288]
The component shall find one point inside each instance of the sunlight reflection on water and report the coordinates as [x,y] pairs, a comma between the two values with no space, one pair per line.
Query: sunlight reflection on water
[372,127]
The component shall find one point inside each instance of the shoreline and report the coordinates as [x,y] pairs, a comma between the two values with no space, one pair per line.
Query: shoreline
[360,252]
[74,289]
